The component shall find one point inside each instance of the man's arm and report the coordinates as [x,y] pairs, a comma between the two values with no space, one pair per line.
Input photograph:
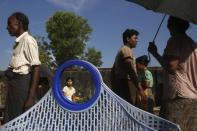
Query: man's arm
[132,72]
[32,90]
[168,62]
[134,78]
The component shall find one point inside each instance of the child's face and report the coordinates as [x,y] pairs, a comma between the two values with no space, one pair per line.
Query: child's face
[140,66]
[69,82]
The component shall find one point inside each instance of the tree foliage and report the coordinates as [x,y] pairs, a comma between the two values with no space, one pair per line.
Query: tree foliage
[93,56]
[68,34]
[45,55]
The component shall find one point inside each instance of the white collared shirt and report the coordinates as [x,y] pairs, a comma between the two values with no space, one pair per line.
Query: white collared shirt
[25,54]
[69,92]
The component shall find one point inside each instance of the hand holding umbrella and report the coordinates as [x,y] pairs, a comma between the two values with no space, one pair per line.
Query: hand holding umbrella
[152,48]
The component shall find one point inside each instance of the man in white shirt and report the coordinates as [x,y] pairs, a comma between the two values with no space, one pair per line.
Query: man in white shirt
[24,68]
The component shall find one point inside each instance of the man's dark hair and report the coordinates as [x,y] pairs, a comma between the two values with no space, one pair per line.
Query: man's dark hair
[22,18]
[128,33]
[178,24]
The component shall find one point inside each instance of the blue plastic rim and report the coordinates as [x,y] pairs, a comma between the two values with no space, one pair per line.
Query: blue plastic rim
[57,89]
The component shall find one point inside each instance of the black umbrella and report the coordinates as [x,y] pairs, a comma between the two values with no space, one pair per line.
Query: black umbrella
[184,9]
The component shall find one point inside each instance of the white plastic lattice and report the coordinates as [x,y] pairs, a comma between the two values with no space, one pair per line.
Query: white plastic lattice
[109,113]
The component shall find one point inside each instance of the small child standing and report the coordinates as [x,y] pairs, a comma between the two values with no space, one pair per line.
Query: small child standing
[69,90]
[146,79]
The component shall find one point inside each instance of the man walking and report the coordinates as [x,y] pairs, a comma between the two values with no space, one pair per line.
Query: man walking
[24,68]
[124,76]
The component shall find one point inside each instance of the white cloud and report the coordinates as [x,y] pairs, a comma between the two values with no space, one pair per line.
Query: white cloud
[75,5]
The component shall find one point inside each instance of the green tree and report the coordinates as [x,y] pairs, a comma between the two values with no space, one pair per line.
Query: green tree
[45,54]
[68,34]
[93,56]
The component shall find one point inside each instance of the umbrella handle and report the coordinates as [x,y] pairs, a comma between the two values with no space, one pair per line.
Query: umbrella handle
[159,27]
[149,57]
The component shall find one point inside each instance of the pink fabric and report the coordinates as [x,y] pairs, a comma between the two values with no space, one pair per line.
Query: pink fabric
[184,82]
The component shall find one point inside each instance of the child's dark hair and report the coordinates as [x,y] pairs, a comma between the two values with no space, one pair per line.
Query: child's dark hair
[69,78]
[128,33]
[143,60]
[22,18]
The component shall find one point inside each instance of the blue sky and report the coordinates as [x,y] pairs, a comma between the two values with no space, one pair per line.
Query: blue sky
[107,18]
